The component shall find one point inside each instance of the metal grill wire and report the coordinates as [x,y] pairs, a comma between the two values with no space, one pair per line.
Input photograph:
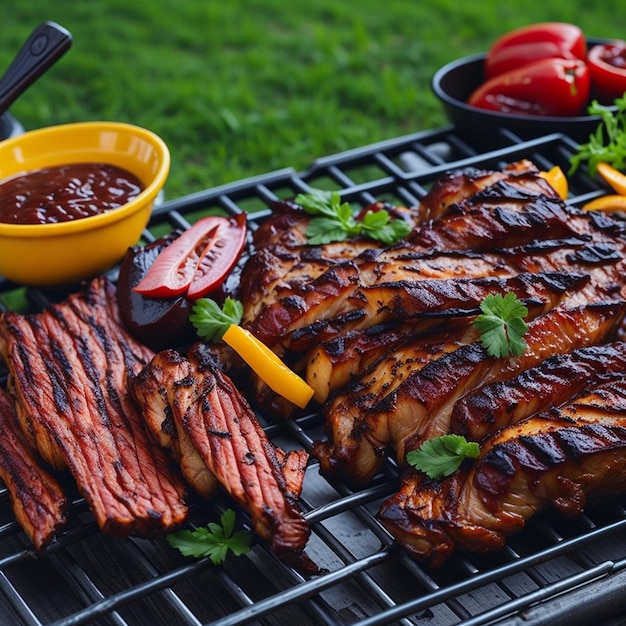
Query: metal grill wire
[553,572]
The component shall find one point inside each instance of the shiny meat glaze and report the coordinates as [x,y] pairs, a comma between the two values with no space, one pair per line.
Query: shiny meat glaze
[69,367]
[39,503]
[228,439]
[561,457]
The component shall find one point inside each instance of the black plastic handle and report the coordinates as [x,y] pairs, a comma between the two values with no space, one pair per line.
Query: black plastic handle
[47,43]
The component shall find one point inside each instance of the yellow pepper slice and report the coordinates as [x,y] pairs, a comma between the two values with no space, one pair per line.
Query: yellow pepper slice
[558,181]
[268,366]
[612,177]
[608,203]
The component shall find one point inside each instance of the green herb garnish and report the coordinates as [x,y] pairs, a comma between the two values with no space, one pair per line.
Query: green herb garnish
[211,321]
[443,455]
[608,142]
[335,221]
[501,325]
[213,540]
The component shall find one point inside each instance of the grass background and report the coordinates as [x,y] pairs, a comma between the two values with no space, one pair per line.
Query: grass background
[238,88]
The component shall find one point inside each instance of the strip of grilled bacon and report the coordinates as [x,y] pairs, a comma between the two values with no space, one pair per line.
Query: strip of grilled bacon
[561,457]
[69,366]
[227,437]
[38,501]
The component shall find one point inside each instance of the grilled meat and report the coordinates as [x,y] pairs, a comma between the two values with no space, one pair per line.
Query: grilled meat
[552,383]
[69,367]
[561,457]
[228,439]
[39,503]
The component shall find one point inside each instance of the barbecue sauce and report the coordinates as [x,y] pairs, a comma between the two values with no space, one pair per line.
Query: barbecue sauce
[65,192]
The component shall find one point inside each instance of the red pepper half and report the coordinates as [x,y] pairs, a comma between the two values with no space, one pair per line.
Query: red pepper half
[554,87]
[198,261]
[607,68]
[533,42]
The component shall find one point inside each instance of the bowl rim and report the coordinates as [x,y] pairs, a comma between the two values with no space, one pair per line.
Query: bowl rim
[505,117]
[93,222]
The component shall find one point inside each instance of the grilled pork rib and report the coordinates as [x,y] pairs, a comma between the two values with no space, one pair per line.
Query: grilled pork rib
[39,504]
[228,440]
[561,457]
[69,367]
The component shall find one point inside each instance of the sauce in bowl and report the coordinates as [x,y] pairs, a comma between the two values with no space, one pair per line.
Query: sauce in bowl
[65,192]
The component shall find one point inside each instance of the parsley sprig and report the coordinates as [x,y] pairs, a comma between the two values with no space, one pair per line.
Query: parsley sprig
[443,455]
[334,220]
[211,321]
[214,540]
[501,325]
[608,142]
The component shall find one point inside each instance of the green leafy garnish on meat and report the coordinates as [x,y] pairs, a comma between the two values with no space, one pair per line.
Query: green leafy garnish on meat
[443,455]
[211,321]
[608,143]
[334,220]
[501,325]
[214,540]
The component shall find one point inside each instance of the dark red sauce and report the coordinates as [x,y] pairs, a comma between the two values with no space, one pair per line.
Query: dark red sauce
[65,192]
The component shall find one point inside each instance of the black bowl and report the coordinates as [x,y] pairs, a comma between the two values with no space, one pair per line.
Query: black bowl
[9,126]
[454,83]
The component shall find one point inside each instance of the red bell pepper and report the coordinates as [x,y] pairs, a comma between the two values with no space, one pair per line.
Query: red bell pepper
[555,87]
[533,42]
[607,68]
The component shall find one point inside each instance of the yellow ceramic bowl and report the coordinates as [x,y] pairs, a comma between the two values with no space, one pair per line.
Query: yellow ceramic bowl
[67,252]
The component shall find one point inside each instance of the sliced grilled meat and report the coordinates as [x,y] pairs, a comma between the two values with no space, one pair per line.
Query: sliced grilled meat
[69,367]
[562,457]
[553,382]
[227,437]
[38,501]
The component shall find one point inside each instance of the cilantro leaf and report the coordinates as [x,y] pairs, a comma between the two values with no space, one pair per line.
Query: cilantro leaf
[211,321]
[501,325]
[334,220]
[608,142]
[443,455]
[214,540]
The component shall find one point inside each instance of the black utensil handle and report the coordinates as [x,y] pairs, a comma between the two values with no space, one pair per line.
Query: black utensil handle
[47,43]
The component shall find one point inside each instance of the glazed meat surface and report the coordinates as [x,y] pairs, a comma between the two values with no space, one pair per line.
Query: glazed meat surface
[39,503]
[69,366]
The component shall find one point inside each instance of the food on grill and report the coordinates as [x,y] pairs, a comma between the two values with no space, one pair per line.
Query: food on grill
[69,367]
[563,455]
[209,411]
[39,503]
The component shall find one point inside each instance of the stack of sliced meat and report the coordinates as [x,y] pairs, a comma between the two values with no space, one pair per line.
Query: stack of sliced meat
[385,336]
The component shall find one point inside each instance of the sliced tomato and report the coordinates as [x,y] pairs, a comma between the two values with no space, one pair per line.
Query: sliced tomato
[219,257]
[173,272]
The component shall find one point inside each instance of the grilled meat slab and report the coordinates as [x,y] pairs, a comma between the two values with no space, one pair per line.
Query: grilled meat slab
[561,457]
[69,367]
[39,503]
[227,437]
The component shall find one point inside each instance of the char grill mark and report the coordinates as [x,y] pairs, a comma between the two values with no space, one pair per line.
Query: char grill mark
[38,501]
[419,405]
[552,383]
[228,439]
[561,457]
[70,384]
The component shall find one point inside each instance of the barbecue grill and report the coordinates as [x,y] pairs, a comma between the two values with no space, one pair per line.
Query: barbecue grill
[555,571]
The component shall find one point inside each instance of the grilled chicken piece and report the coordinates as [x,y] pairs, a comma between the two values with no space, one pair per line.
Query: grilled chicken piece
[553,382]
[38,501]
[156,389]
[419,406]
[228,439]
[562,457]
[456,185]
[69,367]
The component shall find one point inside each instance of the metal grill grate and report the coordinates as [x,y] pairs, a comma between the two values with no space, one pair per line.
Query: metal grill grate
[555,571]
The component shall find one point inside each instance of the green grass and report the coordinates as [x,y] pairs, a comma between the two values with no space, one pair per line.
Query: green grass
[241,88]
